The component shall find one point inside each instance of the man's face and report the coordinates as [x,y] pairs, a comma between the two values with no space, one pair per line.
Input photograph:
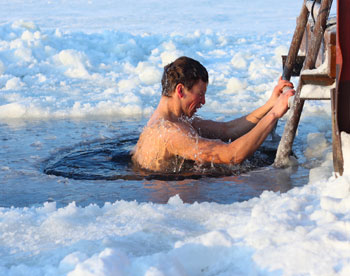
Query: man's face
[194,98]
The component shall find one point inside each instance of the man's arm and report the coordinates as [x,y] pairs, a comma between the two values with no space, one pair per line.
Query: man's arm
[181,140]
[224,131]
[236,128]
[194,147]
[230,130]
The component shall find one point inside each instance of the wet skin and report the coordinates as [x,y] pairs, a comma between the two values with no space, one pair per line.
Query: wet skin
[171,136]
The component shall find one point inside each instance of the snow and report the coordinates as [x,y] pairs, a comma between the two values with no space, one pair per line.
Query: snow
[309,91]
[304,231]
[64,60]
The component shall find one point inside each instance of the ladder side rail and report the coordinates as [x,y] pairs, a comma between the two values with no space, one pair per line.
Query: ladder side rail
[293,51]
[296,42]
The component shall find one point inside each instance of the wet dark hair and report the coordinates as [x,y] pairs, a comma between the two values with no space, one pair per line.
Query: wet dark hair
[183,70]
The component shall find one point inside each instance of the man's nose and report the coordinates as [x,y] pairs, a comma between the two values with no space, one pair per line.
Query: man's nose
[203,100]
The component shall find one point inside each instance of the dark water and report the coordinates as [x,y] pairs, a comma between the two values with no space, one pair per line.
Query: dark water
[111,160]
[89,162]
[99,160]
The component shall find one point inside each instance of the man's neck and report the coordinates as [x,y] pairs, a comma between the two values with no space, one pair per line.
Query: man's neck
[169,108]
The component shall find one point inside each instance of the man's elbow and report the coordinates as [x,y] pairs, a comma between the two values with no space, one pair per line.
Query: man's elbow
[237,159]
[240,154]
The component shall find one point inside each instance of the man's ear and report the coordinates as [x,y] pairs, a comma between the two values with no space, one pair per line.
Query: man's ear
[179,90]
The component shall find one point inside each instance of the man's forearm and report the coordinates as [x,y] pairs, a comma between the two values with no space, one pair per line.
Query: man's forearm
[238,127]
[246,145]
[255,116]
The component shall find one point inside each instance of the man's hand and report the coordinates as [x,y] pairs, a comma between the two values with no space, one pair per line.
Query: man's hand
[278,90]
[281,105]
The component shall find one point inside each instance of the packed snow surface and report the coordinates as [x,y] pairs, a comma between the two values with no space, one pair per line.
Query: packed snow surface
[69,60]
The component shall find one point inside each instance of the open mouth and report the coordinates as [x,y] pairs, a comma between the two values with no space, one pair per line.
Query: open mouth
[197,107]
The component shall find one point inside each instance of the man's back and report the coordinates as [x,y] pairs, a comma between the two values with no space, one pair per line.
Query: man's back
[154,148]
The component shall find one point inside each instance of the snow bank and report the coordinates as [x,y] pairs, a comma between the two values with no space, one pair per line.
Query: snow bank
[302,232]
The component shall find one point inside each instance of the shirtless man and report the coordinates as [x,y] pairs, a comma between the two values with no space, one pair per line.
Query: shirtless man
[172,135]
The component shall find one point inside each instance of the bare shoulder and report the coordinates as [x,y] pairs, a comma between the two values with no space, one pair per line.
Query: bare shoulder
[181,128]
[167,136]
[166,127]
[159,142]
[160,133]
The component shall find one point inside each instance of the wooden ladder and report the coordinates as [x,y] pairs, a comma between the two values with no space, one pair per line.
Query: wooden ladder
[285,146]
